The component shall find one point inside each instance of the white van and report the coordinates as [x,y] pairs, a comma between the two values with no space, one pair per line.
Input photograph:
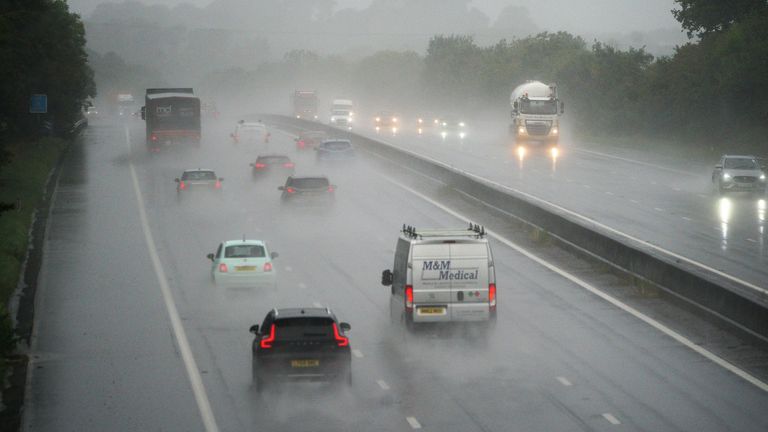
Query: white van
[442,276]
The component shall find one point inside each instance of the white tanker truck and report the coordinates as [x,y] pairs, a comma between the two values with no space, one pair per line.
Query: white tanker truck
[536,112]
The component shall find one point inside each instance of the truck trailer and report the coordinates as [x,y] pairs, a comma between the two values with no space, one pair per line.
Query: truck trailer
[172,117]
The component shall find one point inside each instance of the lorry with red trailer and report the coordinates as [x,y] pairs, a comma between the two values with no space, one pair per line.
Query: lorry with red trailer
[172,117]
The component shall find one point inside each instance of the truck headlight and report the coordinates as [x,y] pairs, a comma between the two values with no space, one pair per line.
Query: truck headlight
[554,131]
[521,130]
[762,177]
[461,124]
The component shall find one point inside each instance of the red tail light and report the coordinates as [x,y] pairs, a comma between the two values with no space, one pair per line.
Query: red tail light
[259,165]
[268,267]
[266,342]
[330,189]
[341,340]
[153,137]
[218,184]
[409,298]
[492,296]
[182,185]
[301,144]
[290,189]
[223,268]
[288,165]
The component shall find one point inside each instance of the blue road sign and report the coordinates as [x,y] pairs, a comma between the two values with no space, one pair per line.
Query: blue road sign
[38,104]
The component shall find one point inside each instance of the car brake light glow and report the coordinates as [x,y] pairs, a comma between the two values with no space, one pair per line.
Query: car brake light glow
[266,342]
[290,189]
[182,185]
[301,144]
[409,298]
[223,268]
[492,296]
[330,189]
[288,165]
[153,137]
[218,184]
[268,267]
[341,340]
[259,165]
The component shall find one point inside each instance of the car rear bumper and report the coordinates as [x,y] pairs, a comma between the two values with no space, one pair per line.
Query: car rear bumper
[452,313]
[279,367]
[246,279]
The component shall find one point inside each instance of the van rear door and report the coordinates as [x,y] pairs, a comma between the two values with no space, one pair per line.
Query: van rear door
[469,281]
[431,289]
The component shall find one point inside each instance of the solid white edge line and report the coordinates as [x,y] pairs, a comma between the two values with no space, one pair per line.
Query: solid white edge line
[193,373]
[587,286]
[383,384]
[413,422]
[611,419]
[570,212]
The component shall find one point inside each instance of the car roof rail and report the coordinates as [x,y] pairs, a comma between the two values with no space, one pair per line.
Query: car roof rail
[473,231]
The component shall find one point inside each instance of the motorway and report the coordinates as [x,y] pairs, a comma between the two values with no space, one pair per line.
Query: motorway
[108,352]
[665,202]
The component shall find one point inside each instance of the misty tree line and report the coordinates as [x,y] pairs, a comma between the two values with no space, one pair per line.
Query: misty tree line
[42,50]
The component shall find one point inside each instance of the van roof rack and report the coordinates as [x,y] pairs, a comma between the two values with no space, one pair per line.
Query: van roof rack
[474,230]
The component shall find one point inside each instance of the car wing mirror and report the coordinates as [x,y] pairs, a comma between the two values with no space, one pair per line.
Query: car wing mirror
[345,326]
[274,255]
[296,140]
[210,256]
[718,166]
[281,188]
[254,329]
[176,180]
[386,277]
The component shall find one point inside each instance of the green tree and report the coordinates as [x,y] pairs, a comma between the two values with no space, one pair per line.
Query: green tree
[709,16]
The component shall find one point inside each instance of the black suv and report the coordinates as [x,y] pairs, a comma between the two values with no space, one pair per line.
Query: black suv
[307,188]
[301,343]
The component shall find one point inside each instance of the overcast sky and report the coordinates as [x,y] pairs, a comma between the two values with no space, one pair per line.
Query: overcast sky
[576,16]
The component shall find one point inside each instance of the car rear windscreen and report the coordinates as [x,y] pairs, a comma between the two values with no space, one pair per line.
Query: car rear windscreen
[199,175]
[273,160]
[337,145]
[310,183]
[244,251]
[304,328]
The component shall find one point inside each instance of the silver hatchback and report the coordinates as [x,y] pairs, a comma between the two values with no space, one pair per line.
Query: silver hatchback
[739,173]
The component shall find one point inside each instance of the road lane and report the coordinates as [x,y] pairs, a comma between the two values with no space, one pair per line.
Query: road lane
[548,328]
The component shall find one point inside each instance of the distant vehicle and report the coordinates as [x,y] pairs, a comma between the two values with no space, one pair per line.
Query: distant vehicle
[442,276]
[386,121]
[426,122]
[308,189]
[342,114]
[91,111]
[250,132]
[243,263]
[209,110]
[736,173]
[198,180]
[126,104]
[272,165]
[310,139]
[452,127]
[536,111]
[172,116]
[305,104]
[335,149]
[301,344]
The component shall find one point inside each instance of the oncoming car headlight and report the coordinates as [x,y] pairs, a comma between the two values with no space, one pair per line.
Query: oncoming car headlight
[726,176]
[555,131]
[521,130]
[762,177]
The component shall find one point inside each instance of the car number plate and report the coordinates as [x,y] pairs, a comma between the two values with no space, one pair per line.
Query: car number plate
[245,268]
[305,363]
[431,311]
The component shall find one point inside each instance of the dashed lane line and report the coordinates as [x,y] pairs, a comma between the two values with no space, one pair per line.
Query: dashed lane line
[686,218]
[611,419]
[193,373]
[383,384]
[302,285]
[746,376]
[288,268]
[564,381]
[413,422]
[658,209]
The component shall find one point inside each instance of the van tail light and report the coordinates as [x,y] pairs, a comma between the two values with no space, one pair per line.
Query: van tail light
[342,341]
[288,165]
[268,267]
[218,184]
[266,342]
[153,137]
[492,296]
[259,165]
[182,185]
[409,298]
[302,144]
[330,189]
[290,189]
[223,268]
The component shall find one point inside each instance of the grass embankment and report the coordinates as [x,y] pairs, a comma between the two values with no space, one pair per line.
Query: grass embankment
[22,183]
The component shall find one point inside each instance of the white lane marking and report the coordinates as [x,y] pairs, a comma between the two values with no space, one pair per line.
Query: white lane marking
[635,161]
[302,285]
[288,268]
[752,240]
[383,384]
[587,186]
[654,183]
[686,218]
[413,422]
[608,193]
[563,209]
[703,196]
[634,201]
[611,419]
[746,376]
[677,189]
[193,373]
[658,209]
[317,305]
[357,353]
[564,381]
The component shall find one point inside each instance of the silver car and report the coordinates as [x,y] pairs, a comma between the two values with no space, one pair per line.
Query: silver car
[739,173]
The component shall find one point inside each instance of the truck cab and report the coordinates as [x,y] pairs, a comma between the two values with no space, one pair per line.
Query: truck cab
[536,111]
